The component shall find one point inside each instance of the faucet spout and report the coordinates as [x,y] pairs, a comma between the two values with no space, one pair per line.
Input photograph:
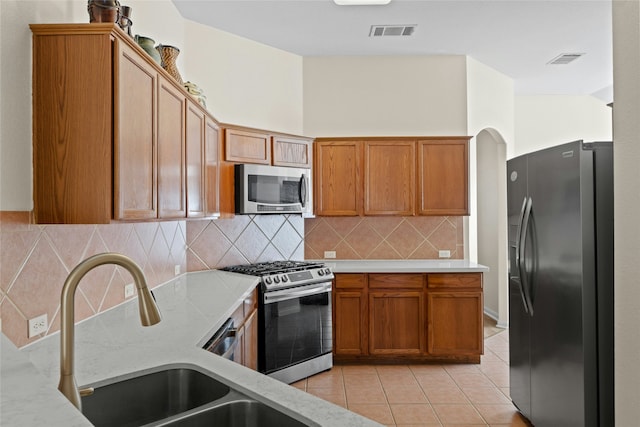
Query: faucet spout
[149,314]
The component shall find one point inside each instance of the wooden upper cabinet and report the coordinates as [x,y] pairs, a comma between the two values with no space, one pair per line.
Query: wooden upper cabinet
[338,174]
[292,152]
[212,167]
[113,138]
[171,151]
[72,162]
[195,161]
[390,177]
[242,146]
[443,177]
[135,137]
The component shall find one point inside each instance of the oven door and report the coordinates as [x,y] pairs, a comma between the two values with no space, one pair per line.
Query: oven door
[296,326]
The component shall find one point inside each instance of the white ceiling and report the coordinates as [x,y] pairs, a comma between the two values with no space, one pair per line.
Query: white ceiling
[515,37]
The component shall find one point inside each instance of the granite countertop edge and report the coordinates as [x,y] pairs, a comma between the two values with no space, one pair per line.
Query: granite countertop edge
[113,344]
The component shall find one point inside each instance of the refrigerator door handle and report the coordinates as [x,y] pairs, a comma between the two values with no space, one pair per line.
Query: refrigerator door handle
[521,267]
[518,263]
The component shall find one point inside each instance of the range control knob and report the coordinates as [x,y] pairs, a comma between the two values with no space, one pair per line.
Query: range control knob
[276,279]
[327,271]
[321,272]
[267,280]
[285,279]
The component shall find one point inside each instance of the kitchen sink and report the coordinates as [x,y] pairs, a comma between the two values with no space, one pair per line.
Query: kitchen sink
[239,413]
[150,397]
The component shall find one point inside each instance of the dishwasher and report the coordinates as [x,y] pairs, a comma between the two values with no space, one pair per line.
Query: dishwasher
[224,342]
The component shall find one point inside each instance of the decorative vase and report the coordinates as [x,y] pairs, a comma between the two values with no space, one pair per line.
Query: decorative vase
[103,10]
[125,21]
[169,55]
[148,45]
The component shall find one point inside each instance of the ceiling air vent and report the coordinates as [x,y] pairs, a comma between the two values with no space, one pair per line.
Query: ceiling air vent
[391,30]
[565,58]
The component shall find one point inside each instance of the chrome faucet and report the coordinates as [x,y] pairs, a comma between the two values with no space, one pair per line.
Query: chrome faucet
[149,314]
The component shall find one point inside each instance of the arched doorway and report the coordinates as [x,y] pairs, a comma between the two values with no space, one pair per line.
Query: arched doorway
[491,180]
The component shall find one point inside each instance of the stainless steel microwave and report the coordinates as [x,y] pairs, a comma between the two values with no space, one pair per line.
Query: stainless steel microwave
[261,189]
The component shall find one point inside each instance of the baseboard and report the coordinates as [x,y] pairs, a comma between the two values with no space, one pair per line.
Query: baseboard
[492,314]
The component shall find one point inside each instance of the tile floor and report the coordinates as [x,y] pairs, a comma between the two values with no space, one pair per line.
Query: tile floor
[426,395]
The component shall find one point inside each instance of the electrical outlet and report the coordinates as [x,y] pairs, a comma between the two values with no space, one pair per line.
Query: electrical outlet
[38,325]
[444,254]
[177,269]
[129,290]
[329,254]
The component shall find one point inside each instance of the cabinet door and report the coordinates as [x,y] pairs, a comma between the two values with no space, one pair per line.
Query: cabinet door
[247,147]
[390,176]
[396,322]
[291,152]
[238,353]
[443,177]
[337,176]
[212,167]
[171,151]
[350,308]
[251,341]
[455,322]
[195,138]
[135,173]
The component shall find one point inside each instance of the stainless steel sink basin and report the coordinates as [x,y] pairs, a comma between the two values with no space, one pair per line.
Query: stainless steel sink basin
[151,397]
[239,413]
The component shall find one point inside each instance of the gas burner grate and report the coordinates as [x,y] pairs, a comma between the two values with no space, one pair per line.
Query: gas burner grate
[273,267]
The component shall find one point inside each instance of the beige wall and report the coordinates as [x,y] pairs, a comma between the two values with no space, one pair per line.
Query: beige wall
[381,95]
[246,82]
[626,63]
[546,120]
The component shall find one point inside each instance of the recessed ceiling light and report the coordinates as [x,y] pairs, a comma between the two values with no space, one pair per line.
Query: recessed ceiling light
[361,2]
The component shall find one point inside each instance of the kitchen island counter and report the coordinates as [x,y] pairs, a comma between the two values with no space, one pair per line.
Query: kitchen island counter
[405,266]
[114,344]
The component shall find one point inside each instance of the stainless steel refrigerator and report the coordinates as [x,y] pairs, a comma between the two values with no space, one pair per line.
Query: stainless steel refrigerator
[560,209]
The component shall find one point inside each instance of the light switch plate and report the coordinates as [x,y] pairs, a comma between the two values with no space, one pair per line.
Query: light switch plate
[329,254]
[38,325]
[444,254]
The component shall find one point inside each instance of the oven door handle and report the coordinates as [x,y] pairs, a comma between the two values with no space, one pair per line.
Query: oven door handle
[272,297]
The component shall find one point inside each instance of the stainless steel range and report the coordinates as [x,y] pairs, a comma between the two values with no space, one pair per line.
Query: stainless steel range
[295,330]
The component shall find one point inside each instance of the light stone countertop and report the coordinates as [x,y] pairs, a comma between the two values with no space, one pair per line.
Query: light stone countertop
[114,344]
[405,266]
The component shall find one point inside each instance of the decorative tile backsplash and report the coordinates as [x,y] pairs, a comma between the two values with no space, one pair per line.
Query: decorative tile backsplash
[419,237]
[36,259]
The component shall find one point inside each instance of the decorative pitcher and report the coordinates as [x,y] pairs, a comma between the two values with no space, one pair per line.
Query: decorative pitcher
[169,55]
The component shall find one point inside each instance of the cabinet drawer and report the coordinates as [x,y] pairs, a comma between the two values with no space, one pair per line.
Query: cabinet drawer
[405,280]
[455,280]
[350,281]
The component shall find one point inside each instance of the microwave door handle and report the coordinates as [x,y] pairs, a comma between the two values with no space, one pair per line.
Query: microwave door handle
[302,191]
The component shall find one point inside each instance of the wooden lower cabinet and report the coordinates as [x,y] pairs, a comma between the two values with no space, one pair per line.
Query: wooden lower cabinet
[245,319]
[250,341]
[453,323]
[408,317]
